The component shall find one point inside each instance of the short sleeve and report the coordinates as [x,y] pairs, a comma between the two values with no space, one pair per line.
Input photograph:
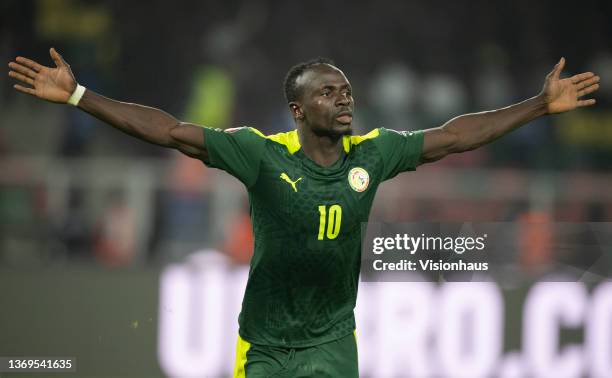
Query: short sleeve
[400,150]
[237,151]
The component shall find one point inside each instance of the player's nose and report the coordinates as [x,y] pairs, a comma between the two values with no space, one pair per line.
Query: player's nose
[343,100]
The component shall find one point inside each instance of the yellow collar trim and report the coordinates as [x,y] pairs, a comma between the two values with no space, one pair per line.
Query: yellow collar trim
[291,139]
[349,141]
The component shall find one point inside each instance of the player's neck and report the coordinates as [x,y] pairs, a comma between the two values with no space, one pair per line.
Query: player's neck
[324,150]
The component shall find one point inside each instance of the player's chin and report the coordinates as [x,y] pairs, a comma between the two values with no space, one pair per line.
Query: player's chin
[342,128]
[335,130]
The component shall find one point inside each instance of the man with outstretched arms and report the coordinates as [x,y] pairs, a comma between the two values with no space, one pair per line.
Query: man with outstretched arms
[309,190]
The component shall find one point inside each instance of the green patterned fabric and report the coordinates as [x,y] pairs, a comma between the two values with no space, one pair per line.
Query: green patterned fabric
[304,273]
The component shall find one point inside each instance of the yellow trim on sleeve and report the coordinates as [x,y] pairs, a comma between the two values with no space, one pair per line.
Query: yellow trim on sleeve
[242,347]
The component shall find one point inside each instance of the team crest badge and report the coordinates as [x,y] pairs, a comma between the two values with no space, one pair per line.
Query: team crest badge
[359,179]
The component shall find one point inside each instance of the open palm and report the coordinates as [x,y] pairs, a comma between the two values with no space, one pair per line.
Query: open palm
[562,95]
[51,84]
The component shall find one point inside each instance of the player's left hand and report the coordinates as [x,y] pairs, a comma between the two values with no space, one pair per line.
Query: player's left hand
[562,95]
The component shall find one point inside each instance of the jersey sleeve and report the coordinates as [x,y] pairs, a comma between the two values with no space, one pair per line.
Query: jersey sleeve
[400,150]
[237,151]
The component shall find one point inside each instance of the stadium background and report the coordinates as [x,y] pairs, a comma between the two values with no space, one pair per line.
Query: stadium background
[91,220]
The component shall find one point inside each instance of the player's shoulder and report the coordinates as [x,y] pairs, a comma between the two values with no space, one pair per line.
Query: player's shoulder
[395,133]
[352,141]
[243,137]
[289,139]
[384,135]
[245,134]
[380,138]
[242,130]
[286,140]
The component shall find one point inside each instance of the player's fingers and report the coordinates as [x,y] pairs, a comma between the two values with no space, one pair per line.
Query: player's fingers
[588,102]
[23,70]
[588,90]
[57,58]
[29,63]
[23,89]
[587,82]
[554,74]
[580,77]
[21,77]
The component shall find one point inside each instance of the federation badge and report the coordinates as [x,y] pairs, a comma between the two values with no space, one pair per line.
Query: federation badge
[359,179]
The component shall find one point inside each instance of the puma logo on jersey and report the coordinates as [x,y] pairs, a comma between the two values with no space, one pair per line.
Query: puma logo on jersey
[284,176]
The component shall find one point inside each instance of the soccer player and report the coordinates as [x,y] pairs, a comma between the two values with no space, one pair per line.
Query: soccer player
[309,189]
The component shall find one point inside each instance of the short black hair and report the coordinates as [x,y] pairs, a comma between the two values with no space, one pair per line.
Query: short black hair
[291,88]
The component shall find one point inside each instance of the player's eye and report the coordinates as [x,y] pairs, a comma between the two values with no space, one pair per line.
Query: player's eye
[325,93]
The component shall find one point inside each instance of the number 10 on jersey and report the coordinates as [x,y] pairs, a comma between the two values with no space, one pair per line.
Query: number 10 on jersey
[329,219]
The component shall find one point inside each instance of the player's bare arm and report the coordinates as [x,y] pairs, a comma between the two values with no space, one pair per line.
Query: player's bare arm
[470,131]
[143,122]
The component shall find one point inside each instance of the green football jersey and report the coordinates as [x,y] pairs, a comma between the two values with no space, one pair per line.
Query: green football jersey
[303,278]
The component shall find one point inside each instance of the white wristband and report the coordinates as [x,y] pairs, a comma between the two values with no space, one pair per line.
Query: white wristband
[76,95]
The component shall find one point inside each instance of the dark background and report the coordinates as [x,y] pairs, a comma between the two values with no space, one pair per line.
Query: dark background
[88,216]
[74,189]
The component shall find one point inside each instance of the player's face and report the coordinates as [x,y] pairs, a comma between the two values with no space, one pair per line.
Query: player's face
[326,103]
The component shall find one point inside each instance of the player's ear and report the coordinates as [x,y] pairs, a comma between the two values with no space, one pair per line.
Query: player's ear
[296,110]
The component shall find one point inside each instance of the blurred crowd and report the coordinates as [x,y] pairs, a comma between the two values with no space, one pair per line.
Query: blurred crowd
[75,189]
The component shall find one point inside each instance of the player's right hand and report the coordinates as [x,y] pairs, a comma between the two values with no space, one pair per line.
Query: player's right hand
[51,84]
